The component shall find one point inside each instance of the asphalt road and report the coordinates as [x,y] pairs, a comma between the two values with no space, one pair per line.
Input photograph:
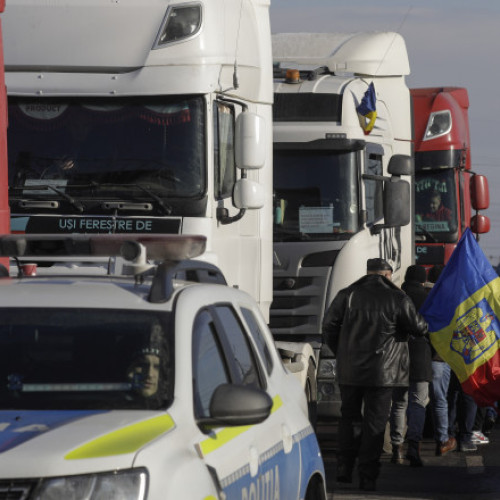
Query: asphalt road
[456,476]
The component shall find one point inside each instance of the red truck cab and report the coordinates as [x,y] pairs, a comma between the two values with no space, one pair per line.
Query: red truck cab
[448,194]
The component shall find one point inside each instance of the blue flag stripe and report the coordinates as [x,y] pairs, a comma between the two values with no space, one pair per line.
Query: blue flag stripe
[368,103]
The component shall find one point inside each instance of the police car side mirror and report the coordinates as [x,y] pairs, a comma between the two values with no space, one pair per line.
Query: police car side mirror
[234,405]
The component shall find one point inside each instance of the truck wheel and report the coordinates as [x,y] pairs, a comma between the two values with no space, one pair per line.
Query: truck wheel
[312,395]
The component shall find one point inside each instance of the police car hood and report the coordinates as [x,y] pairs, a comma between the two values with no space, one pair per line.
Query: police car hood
[56,443]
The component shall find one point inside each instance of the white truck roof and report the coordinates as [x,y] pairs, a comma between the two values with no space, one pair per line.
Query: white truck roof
[367,53]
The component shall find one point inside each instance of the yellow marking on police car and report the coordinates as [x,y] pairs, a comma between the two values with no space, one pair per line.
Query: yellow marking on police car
[227,434]
[126,440]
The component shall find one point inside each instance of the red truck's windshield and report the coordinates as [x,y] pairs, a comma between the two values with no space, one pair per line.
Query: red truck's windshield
[436,204]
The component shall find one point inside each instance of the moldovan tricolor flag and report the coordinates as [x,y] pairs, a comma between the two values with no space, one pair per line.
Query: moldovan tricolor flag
[462,311]
[367,109]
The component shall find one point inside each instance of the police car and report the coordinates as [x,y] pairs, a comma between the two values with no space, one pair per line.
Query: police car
[164,383]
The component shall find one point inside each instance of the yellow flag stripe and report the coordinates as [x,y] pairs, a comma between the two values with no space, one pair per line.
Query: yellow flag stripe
[442,339]
[226,434]
[371,116]
[126,440]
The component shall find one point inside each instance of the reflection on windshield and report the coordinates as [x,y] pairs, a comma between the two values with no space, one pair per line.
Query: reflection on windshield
[435,203]
[107,143]
[70,359]
[315,195]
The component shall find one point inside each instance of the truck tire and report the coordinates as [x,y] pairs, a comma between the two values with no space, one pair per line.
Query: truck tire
[312,394]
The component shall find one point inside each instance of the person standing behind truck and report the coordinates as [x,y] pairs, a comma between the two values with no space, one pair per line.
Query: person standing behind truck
[367,327]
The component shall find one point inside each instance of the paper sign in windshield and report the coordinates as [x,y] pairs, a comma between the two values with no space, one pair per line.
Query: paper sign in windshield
[316,220]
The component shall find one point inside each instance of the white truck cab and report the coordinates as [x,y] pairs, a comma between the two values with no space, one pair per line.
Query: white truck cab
[151,117]
[342,183]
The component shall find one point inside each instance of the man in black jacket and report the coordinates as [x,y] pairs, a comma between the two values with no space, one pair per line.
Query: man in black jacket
[367,327]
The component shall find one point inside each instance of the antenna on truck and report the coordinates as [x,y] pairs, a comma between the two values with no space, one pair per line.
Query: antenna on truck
[394,37]
[236,83]
[235,71]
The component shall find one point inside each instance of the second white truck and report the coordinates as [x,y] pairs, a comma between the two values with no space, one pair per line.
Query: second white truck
[342,177]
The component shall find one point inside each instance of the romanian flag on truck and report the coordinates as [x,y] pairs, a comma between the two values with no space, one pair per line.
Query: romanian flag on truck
[367,109]
[463,310]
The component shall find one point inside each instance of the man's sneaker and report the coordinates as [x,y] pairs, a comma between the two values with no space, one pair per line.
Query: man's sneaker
[467,446]
[446,446]
[479,438]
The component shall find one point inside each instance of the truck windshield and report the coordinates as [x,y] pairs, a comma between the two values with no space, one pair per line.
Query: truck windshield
[435,204]
[71,359]
[315,195]
[106,147]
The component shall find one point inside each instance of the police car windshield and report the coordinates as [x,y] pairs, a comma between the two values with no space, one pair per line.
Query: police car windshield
[81,359]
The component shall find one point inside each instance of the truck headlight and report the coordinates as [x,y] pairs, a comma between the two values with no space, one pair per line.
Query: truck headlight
[439,124]
[327,368]
[123,485]
[182,22]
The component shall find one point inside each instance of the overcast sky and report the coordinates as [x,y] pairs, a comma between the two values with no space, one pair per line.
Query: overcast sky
[449,42]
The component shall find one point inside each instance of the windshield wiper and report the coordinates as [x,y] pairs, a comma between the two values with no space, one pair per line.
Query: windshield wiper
[167,209]
[75,203]
[424,231]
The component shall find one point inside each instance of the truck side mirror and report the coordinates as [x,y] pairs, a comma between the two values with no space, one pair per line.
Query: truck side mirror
[401,165]
[480,224]
[248,194]
[479,192]
[250,141]
[397,203]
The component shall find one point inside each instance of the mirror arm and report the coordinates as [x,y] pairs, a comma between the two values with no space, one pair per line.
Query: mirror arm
[224,218]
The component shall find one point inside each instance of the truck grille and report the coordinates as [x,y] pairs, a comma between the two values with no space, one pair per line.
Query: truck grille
[297,306]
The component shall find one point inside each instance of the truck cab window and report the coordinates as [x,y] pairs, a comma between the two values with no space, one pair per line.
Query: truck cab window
[315,194]
[107,148]
[373,189]
[224,164]
[435,203]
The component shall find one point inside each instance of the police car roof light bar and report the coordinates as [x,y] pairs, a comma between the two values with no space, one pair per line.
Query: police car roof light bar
[170,247]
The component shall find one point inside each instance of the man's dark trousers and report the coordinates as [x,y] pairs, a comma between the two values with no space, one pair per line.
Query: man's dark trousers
[362,427]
